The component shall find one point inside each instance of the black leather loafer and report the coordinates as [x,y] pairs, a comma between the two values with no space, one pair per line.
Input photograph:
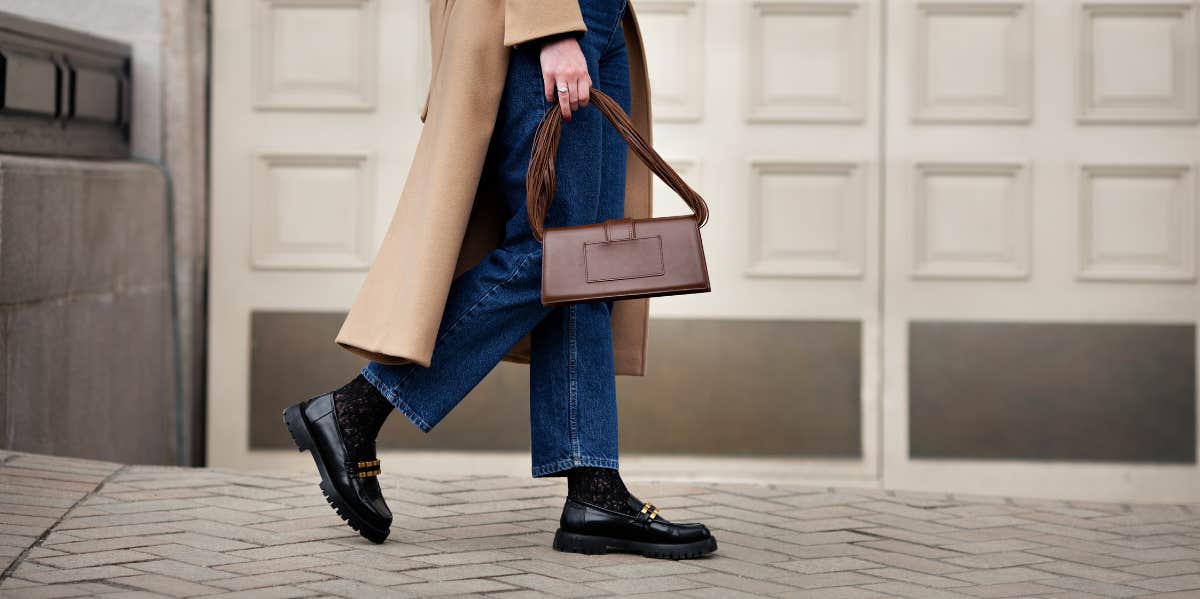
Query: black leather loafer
[348,481]
[585,528]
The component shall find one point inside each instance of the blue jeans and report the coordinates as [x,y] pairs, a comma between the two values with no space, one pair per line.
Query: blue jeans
[572,403]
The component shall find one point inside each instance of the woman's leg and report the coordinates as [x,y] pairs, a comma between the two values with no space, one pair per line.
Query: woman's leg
[496,302]
[573,399]
[573,403]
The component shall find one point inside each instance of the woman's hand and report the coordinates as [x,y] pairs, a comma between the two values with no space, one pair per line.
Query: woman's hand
[565,75]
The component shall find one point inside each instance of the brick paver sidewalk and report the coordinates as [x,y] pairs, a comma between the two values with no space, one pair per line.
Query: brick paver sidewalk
[79,528]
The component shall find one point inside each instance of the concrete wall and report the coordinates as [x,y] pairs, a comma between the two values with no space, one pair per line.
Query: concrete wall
[85,319]
[169,73]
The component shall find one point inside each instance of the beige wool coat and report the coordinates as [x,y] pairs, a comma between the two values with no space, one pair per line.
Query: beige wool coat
[445,221]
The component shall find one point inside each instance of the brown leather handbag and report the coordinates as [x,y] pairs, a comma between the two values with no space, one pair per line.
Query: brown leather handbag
[620,258]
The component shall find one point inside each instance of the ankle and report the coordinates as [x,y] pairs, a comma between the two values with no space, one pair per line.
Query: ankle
[360,410]
[601,487]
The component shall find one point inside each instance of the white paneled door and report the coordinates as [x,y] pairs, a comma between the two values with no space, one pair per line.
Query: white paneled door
[781,136]
[1040,160]
[874,161]
[315,118]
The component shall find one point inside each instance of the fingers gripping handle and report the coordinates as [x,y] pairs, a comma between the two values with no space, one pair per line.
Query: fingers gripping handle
[540,179]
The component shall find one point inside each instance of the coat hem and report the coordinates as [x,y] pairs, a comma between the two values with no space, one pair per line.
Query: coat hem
[380,356]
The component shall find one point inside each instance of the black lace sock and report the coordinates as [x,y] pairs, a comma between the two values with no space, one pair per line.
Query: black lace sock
[601,487]
[360,410]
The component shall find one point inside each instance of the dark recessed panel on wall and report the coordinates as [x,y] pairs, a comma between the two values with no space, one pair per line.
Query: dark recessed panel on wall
[293,357]
[746,387]
[1052,391]
[724,387]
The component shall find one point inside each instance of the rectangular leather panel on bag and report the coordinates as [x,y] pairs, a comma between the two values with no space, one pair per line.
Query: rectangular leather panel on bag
[626,259]
[619,258]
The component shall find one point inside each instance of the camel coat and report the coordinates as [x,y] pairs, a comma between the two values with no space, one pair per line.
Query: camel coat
[445,222]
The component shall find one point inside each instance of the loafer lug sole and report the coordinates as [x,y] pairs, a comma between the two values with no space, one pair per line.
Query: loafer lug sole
[297,425]
[591,545]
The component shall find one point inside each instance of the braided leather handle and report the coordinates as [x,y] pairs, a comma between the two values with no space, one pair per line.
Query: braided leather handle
[540,179]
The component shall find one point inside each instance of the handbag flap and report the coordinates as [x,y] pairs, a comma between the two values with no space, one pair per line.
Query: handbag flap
[624,259]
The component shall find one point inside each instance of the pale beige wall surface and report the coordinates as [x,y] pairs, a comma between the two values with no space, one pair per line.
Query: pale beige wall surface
[866,161]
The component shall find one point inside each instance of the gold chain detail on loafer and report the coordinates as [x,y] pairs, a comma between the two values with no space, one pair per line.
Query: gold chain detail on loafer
[649,507]
[368,464]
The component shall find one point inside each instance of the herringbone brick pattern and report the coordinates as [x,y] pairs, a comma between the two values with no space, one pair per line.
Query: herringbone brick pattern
[81,528]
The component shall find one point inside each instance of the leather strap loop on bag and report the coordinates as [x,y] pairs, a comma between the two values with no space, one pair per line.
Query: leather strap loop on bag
[540,179]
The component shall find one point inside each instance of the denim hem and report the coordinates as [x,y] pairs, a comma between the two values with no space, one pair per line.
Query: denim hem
[395,400]
[567,464]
